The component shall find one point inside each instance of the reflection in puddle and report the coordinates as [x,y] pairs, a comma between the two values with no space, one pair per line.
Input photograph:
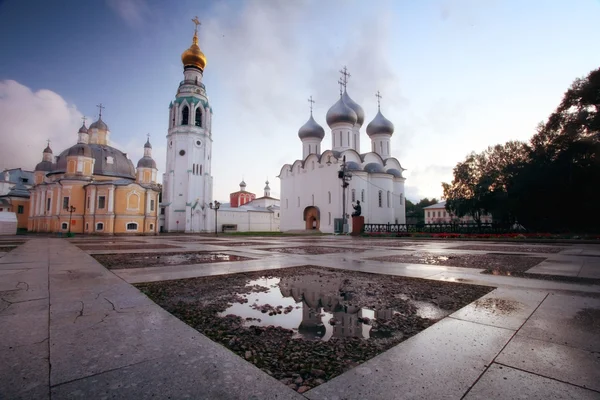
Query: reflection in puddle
[167,259]
[315,308]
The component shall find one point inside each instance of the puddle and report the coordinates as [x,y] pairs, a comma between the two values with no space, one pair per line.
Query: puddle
[170,259]
[435,259]
[313,307]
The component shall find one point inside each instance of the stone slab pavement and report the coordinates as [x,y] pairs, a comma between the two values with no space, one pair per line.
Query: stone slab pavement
[105,339]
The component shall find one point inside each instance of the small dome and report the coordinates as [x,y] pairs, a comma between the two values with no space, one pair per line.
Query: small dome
[352,166]
[311,130]
[340,112]
[267,185]
[194,57]
[395,172]
[83,129]
[44,166]
[380,125]
[48,150]
[146,162]
[100,125]
[360,113]
[242,183]
[148,145]
[80,149]
[374,167]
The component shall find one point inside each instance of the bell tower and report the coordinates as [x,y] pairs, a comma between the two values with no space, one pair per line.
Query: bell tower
[187,181]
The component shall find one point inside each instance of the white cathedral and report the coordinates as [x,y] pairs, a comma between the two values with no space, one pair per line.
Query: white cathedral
[311,189]
[187,181]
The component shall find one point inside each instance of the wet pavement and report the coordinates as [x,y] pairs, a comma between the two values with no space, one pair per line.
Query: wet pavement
[528,337]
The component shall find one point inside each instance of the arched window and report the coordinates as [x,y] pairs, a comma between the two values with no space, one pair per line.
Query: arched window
[341,139]
[329,197]
[401,198]
[200,171]
[99,226]
[185,115]
[388,199]
[348,138]
[362,195]
[380,198]
[353,195]
[329,218]
[64,225]
[309,149]
[198,119]
[132,226]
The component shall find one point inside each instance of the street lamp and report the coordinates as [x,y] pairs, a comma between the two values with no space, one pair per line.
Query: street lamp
[216,208]
[71,210]
[345,176]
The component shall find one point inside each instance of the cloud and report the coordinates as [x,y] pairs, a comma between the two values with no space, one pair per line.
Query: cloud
[29,119]
[133,12]
[427,181]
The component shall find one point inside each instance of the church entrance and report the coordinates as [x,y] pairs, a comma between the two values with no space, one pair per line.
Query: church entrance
[312,218]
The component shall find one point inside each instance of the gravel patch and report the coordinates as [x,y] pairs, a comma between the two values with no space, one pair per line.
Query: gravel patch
[512,249]
[500,264]
[127,247]
[300,358]
[145,260]
[314,250]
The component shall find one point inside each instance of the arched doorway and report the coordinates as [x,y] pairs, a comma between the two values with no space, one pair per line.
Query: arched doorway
[312,218]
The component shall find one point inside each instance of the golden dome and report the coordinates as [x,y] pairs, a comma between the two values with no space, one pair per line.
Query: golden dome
[194,57]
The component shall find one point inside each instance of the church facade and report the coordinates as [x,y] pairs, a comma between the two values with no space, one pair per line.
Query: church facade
[187,181]
[311,189]
[92,187]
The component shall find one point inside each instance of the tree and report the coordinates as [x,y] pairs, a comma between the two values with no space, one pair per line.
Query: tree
[414,212]
[537,183]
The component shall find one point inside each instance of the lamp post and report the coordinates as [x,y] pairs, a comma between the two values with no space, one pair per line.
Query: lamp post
[345,176]
[71,210]
[216,208]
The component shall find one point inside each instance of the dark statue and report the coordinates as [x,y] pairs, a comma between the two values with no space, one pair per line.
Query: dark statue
[357,209]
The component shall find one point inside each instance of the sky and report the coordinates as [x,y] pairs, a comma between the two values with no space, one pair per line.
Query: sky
[455,75]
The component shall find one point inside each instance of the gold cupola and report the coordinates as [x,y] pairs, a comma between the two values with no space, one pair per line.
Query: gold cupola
[194,57]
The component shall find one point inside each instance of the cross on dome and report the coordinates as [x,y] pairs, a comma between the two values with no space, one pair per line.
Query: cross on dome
[84,118]
[197,22]
[311,101]
[345,76]
[48,141]
[378,95]
[342,86]
[100,107]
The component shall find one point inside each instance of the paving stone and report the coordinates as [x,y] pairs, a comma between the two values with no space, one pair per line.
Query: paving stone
[590,269]
[569,320]
[441,362]
[566,267]
[103,341]
[501,382]
[23,323]
[210,372]
[567,364]
[24,371]
[504,308]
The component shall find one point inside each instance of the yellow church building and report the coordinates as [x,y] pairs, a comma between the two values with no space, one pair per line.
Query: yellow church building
[93,188]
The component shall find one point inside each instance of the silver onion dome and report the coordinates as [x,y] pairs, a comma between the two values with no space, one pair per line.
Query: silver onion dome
[360,113]
[311,129]
[148,145]
[146,162]
[380,125]
[340,112]
[83,129]
[100,125]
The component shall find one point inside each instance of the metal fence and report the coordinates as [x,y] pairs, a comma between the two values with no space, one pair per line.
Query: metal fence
[465,227]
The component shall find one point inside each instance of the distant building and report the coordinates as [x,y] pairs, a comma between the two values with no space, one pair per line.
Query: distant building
[92,187]
[13,176]
[247,213]
[437,214]
[17,201]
